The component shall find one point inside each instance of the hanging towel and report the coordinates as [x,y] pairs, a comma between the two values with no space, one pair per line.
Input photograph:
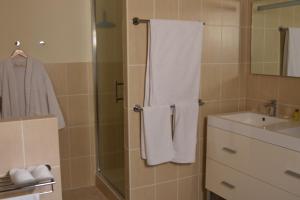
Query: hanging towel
[185,135]
[26,197]
[156,139]
[292,52]
[174,59]
[40,99]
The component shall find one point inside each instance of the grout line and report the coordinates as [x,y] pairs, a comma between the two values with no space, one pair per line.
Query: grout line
[23,143]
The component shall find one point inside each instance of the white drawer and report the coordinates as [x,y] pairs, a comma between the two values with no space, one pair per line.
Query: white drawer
[228,148]
[276,165]
[233,185]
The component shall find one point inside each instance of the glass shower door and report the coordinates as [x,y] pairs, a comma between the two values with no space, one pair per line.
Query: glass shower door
[109,76]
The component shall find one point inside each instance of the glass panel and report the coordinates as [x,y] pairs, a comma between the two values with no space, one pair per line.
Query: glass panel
[109,72]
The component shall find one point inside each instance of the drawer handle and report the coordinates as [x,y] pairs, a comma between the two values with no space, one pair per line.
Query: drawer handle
[228,185]
[229,150]
[292,173]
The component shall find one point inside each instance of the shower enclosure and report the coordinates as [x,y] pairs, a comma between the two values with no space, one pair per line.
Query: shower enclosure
[108,65]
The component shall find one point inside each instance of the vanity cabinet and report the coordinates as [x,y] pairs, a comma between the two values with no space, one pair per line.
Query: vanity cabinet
[241,168]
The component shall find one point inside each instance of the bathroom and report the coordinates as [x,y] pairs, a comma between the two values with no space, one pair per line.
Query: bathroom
[96,57]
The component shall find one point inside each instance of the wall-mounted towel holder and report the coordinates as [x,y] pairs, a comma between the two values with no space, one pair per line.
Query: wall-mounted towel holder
[8,189]
[137,21]
[138,108]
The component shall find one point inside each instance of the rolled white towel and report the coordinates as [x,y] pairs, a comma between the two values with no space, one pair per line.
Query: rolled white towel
[40,173]
[21,176]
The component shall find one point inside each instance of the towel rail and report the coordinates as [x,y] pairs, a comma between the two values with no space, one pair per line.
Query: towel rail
[8,189]
[138,108]
[136,21]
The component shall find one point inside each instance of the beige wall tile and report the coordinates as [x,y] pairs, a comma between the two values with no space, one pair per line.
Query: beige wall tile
[212,12]
[136,82]
[77,78]
[191,10]
[64,143]
[140,173]
[137,44]
[166,191]
[58,75]
[188,189]
[166,172]
[286,94]
[64,106]
[146,193]
[79,110]
[65,174]
[40,138]
[212,45]
[166,9]
[80,141]
[141,8]
[11,146]
[230,44]
[80,172]
[231,12]
[134,129]
[230,81]
[187,170]
[211,81]
[229,106]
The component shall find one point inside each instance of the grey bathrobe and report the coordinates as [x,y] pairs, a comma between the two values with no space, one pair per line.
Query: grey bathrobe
[40,99]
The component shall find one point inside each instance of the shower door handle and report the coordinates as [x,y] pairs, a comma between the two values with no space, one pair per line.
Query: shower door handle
[117,98]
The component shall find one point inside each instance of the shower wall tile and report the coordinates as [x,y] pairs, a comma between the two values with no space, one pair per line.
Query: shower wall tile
[79,110]
[166,172]
[66,174]
[64,143]
[145,193]
[188,189]
[58,75]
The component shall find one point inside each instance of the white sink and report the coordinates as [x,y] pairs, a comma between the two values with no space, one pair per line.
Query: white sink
[280,132]
[295,132]
[253,119]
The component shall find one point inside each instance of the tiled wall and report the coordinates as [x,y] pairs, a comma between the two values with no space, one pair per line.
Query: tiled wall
[75,91]
[223,87]
[28,143]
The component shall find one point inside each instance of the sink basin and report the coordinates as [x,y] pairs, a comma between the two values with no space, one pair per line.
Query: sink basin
[253,119]
[295,132]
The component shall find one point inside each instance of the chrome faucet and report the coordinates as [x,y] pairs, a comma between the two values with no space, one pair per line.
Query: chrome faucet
[272,107]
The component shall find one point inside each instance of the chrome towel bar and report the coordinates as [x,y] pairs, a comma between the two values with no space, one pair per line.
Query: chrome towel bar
[137,21]
[138,108]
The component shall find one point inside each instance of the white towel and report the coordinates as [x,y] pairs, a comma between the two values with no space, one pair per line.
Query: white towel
[185,135]
[174,59]
[21,176]
[26,197]
[156,137]
[292,52]
[40,173]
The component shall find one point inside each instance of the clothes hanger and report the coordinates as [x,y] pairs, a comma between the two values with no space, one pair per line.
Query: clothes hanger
[18,51]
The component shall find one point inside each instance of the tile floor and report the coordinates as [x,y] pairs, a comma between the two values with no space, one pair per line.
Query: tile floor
[89,193]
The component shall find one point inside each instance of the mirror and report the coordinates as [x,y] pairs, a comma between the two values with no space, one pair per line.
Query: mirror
[275,38]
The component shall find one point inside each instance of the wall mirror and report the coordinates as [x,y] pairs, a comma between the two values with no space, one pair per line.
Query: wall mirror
[275,37]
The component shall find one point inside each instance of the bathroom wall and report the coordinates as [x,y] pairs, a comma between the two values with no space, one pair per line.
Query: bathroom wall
[223,87]
[65,26]
[25,143]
